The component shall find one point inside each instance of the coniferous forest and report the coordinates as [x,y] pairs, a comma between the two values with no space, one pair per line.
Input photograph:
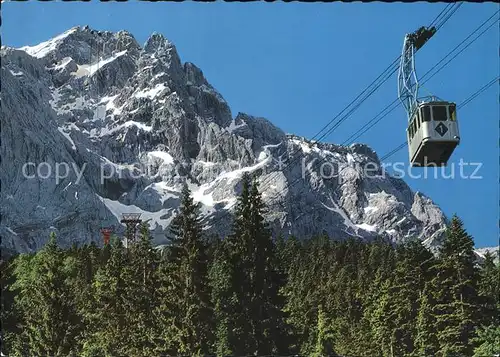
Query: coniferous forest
[251,294]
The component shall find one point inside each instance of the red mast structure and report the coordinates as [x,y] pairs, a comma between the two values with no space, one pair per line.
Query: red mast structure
[106,234]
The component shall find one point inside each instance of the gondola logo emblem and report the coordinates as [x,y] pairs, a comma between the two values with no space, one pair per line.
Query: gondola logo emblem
[441,129]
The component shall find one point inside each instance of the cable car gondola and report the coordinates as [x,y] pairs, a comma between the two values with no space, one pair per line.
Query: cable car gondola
[432,131]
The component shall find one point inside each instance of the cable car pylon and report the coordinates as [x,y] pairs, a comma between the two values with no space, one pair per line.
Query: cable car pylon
[432,132]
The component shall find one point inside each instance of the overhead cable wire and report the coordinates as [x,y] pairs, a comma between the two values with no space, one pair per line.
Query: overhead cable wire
[401,145]
[388,72]
[394,104]
[391,69]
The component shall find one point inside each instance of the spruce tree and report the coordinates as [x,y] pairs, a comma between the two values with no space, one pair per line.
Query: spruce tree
[426,342]
[487,341]
[141,294]
[109,323]
[44,303]
[250,297]
[301,298]
[309,286]
[9,317]
[167,312]
[289,252]
[489,289]
[409,278]
[188,268]
[324,336]
[383,320]
[79,271]
[267,302]
[457,309]
[224,298]
[232,290]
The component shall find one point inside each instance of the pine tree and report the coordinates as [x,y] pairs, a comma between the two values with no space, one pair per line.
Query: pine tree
[488,341]
[233,288]
[223,298]
[188,268]
[44,304]
[249,299]
[142,297]
[79,271]
[489,289]
[324,336]
[267,302]
[301,299]
[289,252]
[167,332]
[457,308]
[353,260]
[426,342]
[488,334]
[108,319]
[383,320]
[308,287]
[409,278]
[8,315]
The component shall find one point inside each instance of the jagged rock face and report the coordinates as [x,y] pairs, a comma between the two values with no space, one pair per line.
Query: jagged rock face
[131,124]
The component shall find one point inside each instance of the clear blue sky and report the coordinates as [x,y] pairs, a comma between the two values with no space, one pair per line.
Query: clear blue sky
[300,64]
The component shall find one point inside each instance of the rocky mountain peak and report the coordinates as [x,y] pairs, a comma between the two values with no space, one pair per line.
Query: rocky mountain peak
[134,124]
[159,45]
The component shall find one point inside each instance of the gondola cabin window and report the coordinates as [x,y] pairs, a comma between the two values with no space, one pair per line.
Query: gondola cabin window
[439,113]
[426,113]
[452,110]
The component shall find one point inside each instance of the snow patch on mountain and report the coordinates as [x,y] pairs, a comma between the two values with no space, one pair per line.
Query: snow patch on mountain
[90,70]
[481,252]
[367,227]
[150,93]
[65,61]
[166,157]
[14,73]
[42,49]
[67,136]
[155,219]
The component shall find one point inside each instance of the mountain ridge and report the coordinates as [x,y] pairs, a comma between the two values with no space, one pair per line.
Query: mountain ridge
[137,123]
